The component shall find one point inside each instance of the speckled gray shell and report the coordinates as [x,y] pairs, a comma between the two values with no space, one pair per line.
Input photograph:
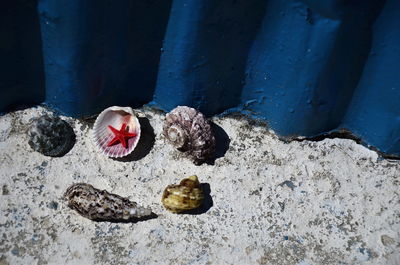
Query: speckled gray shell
[189,131]
[100,205]
[51,135]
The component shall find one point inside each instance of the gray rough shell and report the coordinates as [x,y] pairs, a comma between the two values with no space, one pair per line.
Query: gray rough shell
[100,205]
[51,136]
[189,131]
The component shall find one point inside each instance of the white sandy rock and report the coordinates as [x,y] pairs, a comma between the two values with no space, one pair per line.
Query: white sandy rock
[328,202]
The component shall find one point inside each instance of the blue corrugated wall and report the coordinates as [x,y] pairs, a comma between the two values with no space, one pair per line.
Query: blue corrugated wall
[305,66]
[21,63]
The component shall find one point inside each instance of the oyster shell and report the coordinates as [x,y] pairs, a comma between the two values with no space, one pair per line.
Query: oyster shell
[100,205]
[189,131]
[51,136]
[186,196]
[112,124]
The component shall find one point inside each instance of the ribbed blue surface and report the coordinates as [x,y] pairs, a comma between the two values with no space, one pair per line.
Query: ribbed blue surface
[306,67]
[100,52]
[374,113]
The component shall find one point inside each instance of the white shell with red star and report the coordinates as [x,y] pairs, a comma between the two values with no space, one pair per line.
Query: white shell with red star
[116,117]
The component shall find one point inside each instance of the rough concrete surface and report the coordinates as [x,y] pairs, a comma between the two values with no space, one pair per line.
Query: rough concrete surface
[327,202]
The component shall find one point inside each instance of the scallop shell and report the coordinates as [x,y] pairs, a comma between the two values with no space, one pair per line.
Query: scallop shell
[116,116]
[51,136]
[100,205]
[189,131]
[186,196]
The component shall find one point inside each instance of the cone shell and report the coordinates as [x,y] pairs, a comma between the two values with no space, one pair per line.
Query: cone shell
[115,116]
[101,205]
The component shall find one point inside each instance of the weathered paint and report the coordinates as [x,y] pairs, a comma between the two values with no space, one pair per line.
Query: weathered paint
[305,66]
[374,113]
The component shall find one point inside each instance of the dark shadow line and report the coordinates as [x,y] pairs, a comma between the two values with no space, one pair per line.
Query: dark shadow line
[132,220]
[222,142]
[342,133]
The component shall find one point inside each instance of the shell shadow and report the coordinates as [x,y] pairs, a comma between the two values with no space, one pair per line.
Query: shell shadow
[145,144]
[222,142]
[207,202]
[132,220]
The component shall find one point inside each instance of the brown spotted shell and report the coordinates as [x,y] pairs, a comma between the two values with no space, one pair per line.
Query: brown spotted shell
[100,205]
[189,131]
[186,196]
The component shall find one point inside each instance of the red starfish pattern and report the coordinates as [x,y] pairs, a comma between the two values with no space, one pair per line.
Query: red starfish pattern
[120,136]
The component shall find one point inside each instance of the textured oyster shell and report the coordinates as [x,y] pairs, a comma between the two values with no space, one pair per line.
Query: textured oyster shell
[100,205]
[51,135]
[115,116]
[189,131]
[186,196]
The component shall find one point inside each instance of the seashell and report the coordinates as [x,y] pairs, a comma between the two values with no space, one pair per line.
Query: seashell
[189,131]
[116,131]
[100,205]
[186,196]
[51,136]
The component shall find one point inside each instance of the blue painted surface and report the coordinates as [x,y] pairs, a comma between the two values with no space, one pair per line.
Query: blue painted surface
[285,71]
[99,53]
[21,64]
[205,52]
[374,113]
[305,66]
[306,62]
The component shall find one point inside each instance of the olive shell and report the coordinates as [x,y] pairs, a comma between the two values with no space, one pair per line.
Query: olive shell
[186,196]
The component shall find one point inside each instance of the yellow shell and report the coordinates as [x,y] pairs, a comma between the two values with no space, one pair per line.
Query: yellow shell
[186,196]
